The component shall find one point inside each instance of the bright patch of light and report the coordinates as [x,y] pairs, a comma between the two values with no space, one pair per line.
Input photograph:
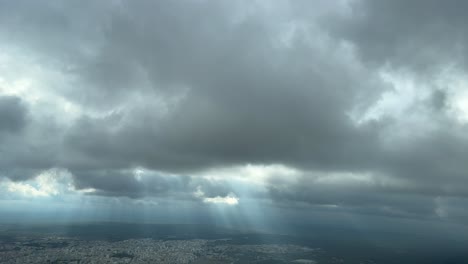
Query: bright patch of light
[41,86]
[349,178]
[22,76]
[42,186]
[461,105]
[86,191]
[455,83]
[26,190]
[395,102]
[49,183]
[230,199]
[407,93]
[252,173]
[138,174]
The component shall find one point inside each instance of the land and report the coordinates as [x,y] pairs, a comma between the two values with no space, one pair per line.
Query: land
[207,244]
[72,250]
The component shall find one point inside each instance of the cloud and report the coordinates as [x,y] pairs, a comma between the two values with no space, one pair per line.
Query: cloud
[50,183]
[229,199]
[26,190]
[421,35]
[352,105]
[12,114]
[225,94]
[141,183]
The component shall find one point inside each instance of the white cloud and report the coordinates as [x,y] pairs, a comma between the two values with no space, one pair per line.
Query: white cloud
[25,189]
[84,191]
[49,183]
[230,199]
[252,173]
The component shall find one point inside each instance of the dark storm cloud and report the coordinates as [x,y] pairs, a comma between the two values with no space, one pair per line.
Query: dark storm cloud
[419,35]
[181,87]
[245,97]
[12,115]
[409,198]
[135,185]
[124,183]
[439,156]
[13,122]
[241,89]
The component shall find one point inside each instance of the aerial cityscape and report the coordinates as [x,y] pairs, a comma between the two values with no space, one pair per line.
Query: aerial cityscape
[65,250]
[110,242]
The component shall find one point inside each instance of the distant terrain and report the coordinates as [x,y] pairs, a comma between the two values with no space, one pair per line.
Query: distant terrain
[199,244]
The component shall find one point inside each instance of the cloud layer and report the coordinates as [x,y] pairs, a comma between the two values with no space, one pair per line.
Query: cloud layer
[357,106]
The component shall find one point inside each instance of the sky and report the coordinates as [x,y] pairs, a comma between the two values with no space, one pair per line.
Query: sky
[238,111]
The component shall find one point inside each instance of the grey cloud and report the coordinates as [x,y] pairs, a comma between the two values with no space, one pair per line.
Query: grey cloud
[12,114]
[182,87]
[13,123]
[244,92]
[150,184]
[417,35]
[372,196]
[439,99]
[27,145]
[248,97]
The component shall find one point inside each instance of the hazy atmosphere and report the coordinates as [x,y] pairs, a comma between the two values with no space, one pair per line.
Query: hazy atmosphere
[261,115]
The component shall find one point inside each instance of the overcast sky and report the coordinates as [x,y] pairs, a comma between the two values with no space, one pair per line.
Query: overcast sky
[356,106]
